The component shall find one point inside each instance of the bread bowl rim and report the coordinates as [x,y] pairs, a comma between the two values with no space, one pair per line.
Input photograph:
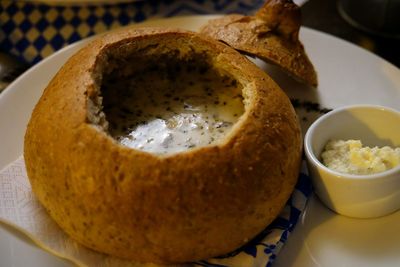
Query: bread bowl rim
[237,126]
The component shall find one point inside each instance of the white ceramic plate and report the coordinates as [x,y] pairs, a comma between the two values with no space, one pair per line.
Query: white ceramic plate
[347,75]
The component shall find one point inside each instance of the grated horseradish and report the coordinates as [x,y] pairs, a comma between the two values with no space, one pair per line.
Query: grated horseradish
[351,157]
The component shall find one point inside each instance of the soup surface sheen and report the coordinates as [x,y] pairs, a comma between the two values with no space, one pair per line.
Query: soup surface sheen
[162,112]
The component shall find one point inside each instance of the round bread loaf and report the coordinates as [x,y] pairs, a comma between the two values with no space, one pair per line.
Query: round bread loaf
[194,204]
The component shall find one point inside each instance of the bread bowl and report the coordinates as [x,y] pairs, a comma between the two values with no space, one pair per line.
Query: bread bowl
[173,207]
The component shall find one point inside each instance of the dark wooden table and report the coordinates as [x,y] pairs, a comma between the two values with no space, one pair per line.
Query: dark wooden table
[323,15]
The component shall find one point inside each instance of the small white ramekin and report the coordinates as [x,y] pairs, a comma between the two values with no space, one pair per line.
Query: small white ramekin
[360,196]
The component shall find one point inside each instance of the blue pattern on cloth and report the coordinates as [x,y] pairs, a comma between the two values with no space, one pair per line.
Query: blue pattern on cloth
[263,249]
[32,31]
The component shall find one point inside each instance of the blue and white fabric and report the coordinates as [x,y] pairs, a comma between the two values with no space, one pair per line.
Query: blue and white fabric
[31,31]
[263,249]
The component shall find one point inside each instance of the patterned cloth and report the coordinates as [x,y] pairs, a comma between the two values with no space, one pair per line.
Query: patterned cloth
[32,31]
[263,249]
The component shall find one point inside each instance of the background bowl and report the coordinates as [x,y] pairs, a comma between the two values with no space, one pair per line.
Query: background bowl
[361,196]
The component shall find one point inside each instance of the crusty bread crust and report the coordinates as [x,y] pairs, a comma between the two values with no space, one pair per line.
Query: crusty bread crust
[272,34]
[181,207]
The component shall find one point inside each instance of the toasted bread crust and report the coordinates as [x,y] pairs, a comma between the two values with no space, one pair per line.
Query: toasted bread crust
[182,207]
[272,34]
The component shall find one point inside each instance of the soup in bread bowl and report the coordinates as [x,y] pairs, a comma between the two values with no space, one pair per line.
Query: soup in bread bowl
[162,145]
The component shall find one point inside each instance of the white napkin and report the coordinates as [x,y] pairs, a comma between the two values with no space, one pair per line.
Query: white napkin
[20,209]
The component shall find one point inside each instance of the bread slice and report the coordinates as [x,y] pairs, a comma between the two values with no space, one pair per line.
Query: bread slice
[272,34]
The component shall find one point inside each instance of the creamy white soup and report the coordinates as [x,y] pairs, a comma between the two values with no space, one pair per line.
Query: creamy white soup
[163,111]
